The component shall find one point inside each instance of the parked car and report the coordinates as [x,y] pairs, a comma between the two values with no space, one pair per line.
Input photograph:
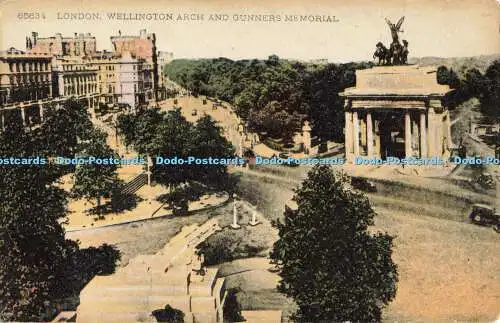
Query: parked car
[363,184]
[485,215]
[285,157]
[486,181]
[195,112]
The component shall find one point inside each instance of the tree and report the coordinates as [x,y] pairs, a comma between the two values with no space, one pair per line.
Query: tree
[126,126]
[447,76]
[273,120]
[170,135]
[33,248]
[490,101]
[172,138]
[207,141]
[94,180]
[329,263]
[59,134]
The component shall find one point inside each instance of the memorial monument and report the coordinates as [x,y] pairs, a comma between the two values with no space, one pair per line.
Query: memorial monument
[174,276]
[396,110]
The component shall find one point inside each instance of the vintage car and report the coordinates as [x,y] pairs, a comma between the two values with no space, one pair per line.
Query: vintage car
[363,184]
[486,215]
[287,162]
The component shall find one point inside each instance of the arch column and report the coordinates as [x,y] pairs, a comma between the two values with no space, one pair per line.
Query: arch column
[355,122]
[369,134]
[408,150]
[348,135]
[423,135]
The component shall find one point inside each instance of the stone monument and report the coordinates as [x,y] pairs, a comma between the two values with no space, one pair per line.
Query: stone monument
[174,276]
[306,137]
[396,111]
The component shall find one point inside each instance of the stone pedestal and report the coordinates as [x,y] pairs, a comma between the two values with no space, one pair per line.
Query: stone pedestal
[306,137]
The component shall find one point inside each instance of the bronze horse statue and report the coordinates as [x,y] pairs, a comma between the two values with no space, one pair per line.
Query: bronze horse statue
[396,54]
[383,54]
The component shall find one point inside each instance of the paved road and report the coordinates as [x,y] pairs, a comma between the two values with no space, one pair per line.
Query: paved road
[224,116]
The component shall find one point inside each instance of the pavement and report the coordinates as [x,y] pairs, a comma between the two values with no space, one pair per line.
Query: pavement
[224,115]
[148,208]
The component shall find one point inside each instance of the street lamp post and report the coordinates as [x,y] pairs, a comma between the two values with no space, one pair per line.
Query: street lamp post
[235,224]
[254,220]
[150,163]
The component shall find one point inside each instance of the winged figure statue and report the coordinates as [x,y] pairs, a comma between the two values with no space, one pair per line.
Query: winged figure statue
[395,29]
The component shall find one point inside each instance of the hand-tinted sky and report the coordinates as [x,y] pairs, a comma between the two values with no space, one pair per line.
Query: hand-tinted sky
[432,27]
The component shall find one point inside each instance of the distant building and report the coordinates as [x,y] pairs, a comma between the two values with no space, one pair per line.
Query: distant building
[56,68]
[319,61]
[73,76]
[106,64]
[134,84]
[24,77]
[78,45]
[163,59]
[140,47]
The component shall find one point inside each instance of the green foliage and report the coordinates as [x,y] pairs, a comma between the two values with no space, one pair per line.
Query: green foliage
[274,121]
[474,84]
[169,134]
[447,76]
[126,126]
[39,266]
[332,267]
[93,180]
[33,247]
[273,89]
[490,100]
[169,315]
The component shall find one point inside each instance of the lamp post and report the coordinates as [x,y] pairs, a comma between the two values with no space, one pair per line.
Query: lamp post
[148,172]
[235,224]
[254,220]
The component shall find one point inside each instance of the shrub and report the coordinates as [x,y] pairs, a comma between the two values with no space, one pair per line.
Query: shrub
[169,315]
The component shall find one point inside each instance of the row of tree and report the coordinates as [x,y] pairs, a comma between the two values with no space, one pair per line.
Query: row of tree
[38,264]
[472,83]
[274,96]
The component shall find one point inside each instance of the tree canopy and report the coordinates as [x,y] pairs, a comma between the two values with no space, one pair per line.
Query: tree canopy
[94,180]
[473,83]
[169,134]
[329,263]
[37,262]
[262,90]
[33,247]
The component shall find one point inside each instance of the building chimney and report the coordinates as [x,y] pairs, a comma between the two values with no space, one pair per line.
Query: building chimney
[34,35]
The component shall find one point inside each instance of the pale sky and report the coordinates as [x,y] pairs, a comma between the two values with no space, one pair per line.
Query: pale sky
[445,28]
